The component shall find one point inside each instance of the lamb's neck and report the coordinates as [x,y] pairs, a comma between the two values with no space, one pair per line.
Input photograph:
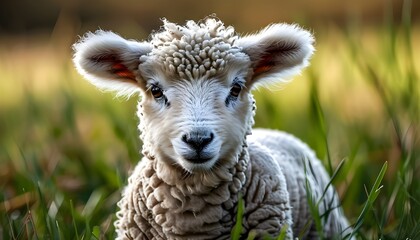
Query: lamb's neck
[229,171]
[181,204]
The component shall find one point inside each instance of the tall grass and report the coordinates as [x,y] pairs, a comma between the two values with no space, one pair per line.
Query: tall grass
[66,150]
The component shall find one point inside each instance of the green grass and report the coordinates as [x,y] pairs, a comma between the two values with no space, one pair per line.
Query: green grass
[66,149]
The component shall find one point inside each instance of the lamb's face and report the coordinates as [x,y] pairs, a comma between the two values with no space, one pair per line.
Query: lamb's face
[195,97]
[196,123]
[195,83]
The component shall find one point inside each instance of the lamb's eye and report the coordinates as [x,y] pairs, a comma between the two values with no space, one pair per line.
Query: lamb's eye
[235,90]
[156,92]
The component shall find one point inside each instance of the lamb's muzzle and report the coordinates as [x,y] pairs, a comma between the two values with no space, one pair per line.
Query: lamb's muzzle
[198,140]
[196,114]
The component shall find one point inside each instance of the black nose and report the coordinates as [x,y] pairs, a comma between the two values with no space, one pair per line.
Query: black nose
[198,139]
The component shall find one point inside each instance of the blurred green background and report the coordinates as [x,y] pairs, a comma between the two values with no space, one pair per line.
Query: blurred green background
[66,149]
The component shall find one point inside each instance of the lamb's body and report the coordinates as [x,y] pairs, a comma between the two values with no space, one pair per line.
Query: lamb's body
[272,174]
[196,116]
[300,167]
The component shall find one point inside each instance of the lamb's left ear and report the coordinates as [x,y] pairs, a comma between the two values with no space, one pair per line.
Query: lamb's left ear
[277,52]
[109,61]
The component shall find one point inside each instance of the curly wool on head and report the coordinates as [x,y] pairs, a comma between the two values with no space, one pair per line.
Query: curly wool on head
[196,115]
[195,50]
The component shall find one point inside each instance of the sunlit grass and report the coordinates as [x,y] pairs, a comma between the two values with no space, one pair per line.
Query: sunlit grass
[66,149]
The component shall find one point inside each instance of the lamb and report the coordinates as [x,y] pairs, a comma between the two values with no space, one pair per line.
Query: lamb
[196,115]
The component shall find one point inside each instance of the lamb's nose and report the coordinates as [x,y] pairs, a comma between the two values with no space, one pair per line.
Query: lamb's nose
[198,139]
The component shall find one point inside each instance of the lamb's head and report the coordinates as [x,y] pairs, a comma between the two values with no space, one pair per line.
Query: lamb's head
[195,81]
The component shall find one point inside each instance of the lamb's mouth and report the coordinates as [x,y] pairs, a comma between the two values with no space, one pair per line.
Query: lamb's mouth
[194,162]
[199,157]
[198,160]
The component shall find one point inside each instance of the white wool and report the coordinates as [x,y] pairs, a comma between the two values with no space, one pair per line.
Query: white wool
[195,50]
[195,82]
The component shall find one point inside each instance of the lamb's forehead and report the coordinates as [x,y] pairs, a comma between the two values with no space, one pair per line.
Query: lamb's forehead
[196,50]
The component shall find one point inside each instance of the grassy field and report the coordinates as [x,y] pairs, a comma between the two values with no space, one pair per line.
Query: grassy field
[66,148]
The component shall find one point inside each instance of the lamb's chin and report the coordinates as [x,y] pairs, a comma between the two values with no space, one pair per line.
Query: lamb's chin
[197,165]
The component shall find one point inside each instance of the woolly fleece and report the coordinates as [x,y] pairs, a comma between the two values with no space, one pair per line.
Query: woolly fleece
[195,80]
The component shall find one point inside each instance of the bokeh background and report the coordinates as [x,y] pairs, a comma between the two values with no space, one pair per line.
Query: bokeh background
[66,149]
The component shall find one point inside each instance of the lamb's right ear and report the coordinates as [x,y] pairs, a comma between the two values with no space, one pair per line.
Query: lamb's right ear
[109,61]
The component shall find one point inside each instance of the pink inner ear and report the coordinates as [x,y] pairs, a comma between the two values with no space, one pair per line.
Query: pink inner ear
[117,67]
[275,55]
[264,65]
[122,71]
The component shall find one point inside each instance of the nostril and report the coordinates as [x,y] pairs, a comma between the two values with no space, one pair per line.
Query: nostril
[207,139]
[185,138]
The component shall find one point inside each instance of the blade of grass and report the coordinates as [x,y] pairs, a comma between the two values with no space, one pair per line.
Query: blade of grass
[313,208]
[237,229]
[320,119]
[73,217]
[282,234]
[376,189]
[96,232]
[334,175]
[43,209]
